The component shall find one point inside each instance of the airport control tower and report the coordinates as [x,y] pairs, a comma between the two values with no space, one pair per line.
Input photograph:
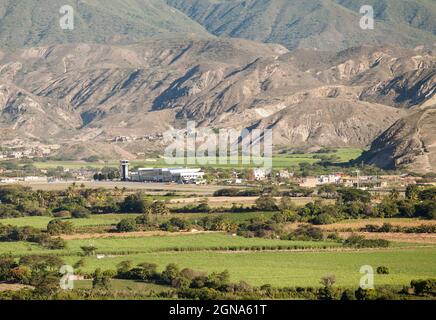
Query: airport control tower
[124,170]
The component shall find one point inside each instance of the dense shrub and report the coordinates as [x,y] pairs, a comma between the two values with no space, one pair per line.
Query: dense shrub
[358,241]
[62,214]
[421,287]
[174,224]
[126,225]
[80,213]
[306,232]
[57,227]
[382,270]
[427,209]
[135,203]
[266,203]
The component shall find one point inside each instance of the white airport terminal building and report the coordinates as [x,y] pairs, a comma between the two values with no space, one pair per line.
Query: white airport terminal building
[178,175]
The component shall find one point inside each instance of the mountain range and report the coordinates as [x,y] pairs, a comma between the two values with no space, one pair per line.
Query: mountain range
[140,67]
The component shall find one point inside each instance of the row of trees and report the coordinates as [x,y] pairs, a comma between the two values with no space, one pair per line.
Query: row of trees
[39,271]
[75,201]
[13,233]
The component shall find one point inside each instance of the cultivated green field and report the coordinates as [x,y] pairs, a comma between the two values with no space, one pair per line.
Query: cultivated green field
[279,161]
[293,268]
[117,245]
[204,252]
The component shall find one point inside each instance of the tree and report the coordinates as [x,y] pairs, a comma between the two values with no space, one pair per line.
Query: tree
[350,195]
[142,219]
[307,232]
[57,227]
[170,273]
[7,263]
[327,292]
[160,208]
[218,280]
[426,209]
[348,295]
[286,204]
[365,294]
[428,194]
[149,270]
[328,190]
[123,268]
[328,281]
[79,264]
[423,286]
[266,203]
[285,216]
[135,203]
[388,208]
[323,218]
[80,213]
[412,192]
[127,225]
[100,280]
[88,250]
[382,270]
[406,208]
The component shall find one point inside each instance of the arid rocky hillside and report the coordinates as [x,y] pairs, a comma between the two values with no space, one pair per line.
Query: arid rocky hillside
[83,94]
[410,142]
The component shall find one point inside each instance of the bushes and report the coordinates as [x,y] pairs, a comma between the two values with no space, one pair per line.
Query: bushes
[127,225]
[30,234]
[285,216]
[266,203]
[101,280]
[217,223]
[174,224]
[427,194]
[62,214]
[426,209]
[323,218]
[387,227]
[352,195]
[382,270]
[88,250]
[422,287]
[233,192]
[306,232]
[9,211]
[54,243]
[170,273]
[80,213]
[358,241]
[135,203]
[365,294]
[57,227]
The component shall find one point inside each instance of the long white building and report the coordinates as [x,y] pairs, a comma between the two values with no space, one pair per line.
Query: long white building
[179,175]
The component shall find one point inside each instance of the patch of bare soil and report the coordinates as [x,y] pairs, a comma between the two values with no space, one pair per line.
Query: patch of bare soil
[12,286]
[427,238]
[357,225]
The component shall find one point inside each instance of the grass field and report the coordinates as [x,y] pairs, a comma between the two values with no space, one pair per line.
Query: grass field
[255,260]
[279,161]
[278,268]
[293,268]
[127,245]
